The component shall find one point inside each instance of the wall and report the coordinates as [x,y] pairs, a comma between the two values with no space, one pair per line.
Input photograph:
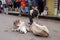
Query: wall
[50,5]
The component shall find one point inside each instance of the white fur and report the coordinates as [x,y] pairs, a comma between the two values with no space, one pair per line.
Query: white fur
[22,27]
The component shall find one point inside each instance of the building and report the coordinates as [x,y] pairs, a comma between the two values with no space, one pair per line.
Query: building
[52,7]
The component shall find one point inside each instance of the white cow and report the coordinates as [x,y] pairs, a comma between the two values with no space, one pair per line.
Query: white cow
[40,30]
[19,25]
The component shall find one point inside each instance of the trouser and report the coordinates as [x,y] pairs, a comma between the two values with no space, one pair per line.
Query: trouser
[23,11]
[10,5]
[15,5]
[18,4]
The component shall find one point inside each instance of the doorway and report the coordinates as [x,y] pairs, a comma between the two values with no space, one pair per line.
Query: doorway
[58,6]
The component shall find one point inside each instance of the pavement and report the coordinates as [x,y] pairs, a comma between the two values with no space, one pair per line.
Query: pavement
[6,33]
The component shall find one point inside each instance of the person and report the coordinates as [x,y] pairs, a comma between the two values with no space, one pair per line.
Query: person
[40,6]
[33,12]
[30,16]
[36,11]
[45,12]
[6,9]
[0,6]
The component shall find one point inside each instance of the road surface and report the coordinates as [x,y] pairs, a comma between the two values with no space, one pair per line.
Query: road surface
[6,25]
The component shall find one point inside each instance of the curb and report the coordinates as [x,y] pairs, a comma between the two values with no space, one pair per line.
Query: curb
[50,17]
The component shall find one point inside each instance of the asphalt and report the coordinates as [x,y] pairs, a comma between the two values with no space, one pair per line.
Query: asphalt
[6,33]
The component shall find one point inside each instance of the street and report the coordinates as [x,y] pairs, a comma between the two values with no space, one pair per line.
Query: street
[6,33]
